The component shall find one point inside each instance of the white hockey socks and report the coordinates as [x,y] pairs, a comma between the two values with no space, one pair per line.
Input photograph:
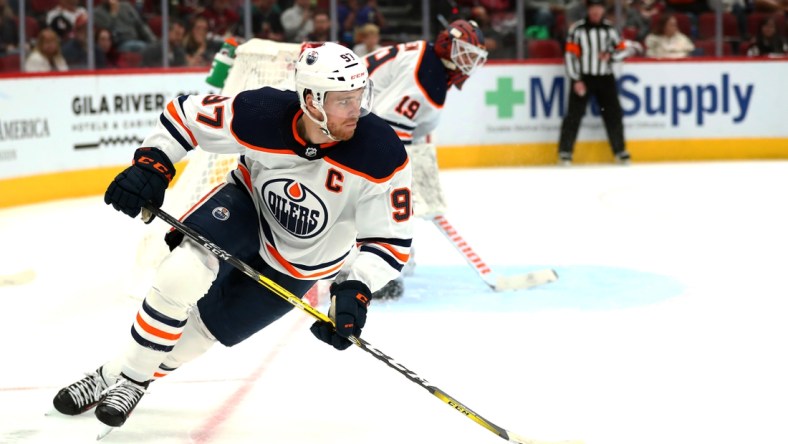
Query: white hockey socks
[183,277]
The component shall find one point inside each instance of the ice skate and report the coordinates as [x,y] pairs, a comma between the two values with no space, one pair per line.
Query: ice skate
[82,395]
[119,401]
[623,158]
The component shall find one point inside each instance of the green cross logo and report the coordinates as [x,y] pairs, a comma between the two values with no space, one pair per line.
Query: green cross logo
[505,97]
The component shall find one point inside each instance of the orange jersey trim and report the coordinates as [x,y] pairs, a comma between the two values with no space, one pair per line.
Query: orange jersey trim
[246,176]
[400,256]
[403,135]
[298,137]
[366,176]
[174,113]
[289,267]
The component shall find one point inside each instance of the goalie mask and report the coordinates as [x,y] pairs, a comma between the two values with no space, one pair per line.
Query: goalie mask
[461,48]
[324,68]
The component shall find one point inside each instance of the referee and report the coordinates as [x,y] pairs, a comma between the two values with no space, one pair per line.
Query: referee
[591,45]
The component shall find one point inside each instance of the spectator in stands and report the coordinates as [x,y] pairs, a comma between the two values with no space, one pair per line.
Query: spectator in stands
[691,7]
[199,49]
[768,42]
[346,18]
[106,46]
[184,9]
[321,27]
[152,55]
[667,41]
[297,21]
[9,32]
[266,20]
[736,7]
[75,49]
[780,6]
[493,40]
[637,16]
[46,57]
[62,17]
[370,13]
[542,13]
[222,19]
[368,39]
[129,31]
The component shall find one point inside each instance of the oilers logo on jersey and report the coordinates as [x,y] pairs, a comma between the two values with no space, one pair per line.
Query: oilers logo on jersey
[295,207]
[221,213]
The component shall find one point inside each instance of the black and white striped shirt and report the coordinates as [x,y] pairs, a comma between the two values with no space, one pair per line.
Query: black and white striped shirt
[585,42]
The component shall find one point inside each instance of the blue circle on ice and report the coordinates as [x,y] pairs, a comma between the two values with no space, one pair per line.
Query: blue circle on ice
[581,287]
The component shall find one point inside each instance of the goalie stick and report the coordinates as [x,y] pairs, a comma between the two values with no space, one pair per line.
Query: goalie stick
[19,278]
[429,203]
[294,300]
[494,281]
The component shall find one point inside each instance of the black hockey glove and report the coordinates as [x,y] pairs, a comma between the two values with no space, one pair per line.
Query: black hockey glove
[144,181]
[349,302]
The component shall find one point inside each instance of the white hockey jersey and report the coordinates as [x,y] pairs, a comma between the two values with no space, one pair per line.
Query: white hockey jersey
[313,202]
[410,87]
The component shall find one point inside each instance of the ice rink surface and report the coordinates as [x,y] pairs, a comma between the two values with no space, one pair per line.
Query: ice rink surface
[668,324]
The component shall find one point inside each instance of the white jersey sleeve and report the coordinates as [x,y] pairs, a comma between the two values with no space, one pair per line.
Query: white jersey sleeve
[384,231]
[189,121]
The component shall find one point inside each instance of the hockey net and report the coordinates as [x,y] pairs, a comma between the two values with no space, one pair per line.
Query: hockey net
[257,63]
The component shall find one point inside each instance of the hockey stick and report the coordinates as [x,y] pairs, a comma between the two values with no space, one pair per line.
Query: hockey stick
[317,314]
[19,278]
[494,281]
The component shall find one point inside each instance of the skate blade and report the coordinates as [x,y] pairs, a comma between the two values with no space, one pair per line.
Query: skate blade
[105,430]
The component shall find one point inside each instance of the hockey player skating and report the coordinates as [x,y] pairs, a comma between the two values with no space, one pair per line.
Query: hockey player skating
[410,82]
[317,174]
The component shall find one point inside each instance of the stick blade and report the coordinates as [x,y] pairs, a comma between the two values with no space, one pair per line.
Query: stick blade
[23,277]
[513,437]
[524,281]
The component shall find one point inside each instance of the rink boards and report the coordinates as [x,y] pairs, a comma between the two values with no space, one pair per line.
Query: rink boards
[72,140]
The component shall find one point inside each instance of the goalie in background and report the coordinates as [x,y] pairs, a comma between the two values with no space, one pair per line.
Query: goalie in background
[410,82]
[317,175]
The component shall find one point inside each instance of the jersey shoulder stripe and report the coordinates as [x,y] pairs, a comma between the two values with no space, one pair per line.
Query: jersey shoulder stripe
[375,152]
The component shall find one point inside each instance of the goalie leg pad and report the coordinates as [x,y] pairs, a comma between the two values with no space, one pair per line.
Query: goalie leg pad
[428,198]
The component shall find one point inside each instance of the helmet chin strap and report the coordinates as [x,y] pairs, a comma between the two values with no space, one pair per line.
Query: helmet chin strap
[323,124]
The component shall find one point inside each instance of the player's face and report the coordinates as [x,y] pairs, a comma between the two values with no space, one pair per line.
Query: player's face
[343,109]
